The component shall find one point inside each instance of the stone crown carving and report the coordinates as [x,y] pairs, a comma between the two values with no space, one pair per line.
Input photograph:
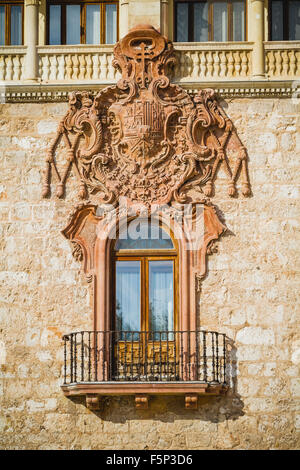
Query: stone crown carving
[145,138]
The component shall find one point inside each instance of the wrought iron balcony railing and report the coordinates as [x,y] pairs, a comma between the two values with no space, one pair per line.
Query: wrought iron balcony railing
[141,356]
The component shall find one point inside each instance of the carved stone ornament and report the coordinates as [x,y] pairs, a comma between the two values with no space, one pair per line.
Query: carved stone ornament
[145,138]
[149,142]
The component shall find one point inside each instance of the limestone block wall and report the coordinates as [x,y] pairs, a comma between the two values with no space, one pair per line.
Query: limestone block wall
[250,293]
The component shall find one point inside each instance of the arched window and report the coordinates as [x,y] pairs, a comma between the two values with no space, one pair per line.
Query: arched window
[145,300]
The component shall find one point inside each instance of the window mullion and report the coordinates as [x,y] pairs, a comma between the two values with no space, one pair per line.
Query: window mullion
[229,21]
[102,14]
[145,295]
[63,24]
[7,24]
[286,20]
[83,23]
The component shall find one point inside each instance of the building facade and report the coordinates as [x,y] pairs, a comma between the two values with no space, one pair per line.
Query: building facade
[112,342]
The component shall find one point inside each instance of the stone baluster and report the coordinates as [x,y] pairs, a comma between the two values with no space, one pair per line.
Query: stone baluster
[31,35]
[111,70]
[45,67]
[9,68]
[285,64]
[103,66]
[61,67]
[278,63]
[237,64]
[292,61]
[95,60]
[271,64]
[182,64]
[75,68]
[210,62]
[2,68]
[89,67]
[230,64]
[203,64]
[69,67]
[223,66]
[53,67]
[216,65]
[244,70]
[16,67]
[82,66]
[196,63]
[297,56]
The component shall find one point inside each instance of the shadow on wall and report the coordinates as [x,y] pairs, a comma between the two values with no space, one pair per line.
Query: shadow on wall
[169,409]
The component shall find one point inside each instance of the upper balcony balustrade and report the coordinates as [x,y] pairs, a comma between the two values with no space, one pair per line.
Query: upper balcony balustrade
[68,67]
[145,362]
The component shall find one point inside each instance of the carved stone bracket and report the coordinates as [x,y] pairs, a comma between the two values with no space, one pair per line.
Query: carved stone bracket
[141,401]
[93,402]
[191,401]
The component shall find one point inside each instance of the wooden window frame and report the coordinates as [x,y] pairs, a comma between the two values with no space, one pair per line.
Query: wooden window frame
[210,19]
[144,256]
[285,19]
[8,6]
[83,4]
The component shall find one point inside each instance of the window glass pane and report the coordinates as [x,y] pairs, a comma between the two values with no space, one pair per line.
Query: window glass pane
[294,21]
[54,24]
[161,297]
[2,25]
[141,235]
[200,22]
[15,25]
[128,297]
[220,21]
[182,22]
[93,24]
[238,21]
[277,21]
[111,24]
[73,24]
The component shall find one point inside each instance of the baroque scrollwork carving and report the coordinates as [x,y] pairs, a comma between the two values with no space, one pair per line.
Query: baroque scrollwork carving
[145,138]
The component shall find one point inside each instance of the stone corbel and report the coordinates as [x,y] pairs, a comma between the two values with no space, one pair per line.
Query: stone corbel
[141,401]
[191,401]
[93,402]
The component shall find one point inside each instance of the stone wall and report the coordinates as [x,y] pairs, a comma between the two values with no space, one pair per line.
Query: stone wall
[250,293]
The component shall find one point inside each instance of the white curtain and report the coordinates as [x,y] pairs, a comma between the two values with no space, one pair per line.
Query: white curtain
[111,24]
[128,296]
[73,24]
[93,24]
[238,14]
[161,296]
[220,21]
[16,25]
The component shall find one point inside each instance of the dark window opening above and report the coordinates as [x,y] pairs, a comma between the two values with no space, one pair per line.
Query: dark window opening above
[210,20]
[11,23]
[284,20]
[82,22]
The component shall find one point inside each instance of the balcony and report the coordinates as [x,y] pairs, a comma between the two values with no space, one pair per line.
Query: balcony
[141,363]
[226,66]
